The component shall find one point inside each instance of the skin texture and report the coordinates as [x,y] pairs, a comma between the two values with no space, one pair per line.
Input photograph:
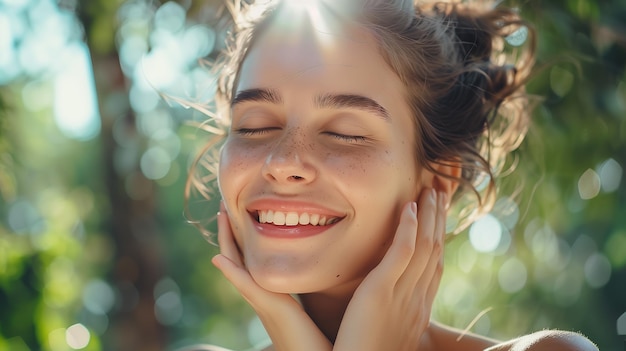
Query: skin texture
[366,182]
[299,152]
[368,281]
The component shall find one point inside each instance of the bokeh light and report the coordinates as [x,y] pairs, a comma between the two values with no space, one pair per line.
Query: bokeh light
[98,297]
[621,324]
[257,335]
[486,233]
[519,37]
[589,185]
[512,275]
[155,163]
[168,306]
[597,270]
[75,102]
[610,172]
[77,336]
[561,80]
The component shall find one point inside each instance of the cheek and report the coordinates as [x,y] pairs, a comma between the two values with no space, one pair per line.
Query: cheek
[387,172]
[357,164]
[238,168]
[237,163]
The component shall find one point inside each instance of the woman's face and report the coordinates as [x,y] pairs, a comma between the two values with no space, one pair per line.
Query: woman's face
[319,160]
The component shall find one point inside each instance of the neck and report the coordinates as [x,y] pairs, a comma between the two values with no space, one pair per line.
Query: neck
[327,308]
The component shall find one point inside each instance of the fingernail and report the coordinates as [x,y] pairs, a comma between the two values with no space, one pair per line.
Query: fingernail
[433,193]
[216,261]
[414,208]
[223,207]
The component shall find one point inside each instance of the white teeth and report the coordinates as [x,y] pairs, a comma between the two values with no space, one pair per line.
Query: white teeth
[279,218]
[270,217]
[315,219]
[304,219]
[263,216]
[293,218]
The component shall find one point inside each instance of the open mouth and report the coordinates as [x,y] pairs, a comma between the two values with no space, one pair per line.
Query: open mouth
[293,218]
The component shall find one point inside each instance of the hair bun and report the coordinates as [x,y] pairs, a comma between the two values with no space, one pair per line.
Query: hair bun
[480,31]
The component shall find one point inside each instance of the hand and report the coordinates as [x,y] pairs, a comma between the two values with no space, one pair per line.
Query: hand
[390,310]
[286,322]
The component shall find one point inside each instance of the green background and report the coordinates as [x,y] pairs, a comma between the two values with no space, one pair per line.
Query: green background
[96,253]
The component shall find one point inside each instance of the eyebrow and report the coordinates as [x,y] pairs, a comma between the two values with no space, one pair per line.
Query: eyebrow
[354,101]
[257,95]
[333,101]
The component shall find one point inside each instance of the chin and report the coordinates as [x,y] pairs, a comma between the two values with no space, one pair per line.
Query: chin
[282,284]
[287,282]
[303,283]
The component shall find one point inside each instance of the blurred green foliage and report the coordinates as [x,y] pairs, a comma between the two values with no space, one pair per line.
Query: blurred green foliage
[95,252]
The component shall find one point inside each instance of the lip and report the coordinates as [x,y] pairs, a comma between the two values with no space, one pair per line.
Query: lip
[290,232]
[292,206]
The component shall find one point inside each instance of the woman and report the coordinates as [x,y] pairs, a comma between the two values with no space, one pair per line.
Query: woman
[354,126]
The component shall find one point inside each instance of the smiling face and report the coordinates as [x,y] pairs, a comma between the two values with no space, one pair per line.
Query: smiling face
[319,160]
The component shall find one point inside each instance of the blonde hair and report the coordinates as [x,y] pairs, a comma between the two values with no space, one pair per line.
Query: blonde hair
[464,85]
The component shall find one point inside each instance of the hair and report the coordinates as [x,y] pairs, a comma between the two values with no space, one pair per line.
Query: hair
[464,85]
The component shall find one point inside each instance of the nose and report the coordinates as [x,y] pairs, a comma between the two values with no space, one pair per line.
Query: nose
[285,163]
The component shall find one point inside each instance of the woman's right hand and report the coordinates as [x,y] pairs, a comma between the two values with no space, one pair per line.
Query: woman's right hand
[286,322]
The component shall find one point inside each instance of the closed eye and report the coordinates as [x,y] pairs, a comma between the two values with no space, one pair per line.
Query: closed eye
[352,139]
[254,131]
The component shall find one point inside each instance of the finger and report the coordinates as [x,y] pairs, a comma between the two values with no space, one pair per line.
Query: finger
[236,275]
[425,299]
[225,239]
[260,299]
[230,263]
[402,248]
[434,269]
[273,309]
[427,217]
[434,283]
[241,279]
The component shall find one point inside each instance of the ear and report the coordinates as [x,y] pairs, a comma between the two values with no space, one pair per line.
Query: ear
[446,178]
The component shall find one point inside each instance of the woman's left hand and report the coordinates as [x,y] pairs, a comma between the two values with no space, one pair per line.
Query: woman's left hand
[390,309]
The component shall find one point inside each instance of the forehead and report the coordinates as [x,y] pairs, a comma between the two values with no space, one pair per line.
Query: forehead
[332,55]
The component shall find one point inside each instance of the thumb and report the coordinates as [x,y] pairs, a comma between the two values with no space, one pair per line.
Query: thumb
[299,333]
[238,276]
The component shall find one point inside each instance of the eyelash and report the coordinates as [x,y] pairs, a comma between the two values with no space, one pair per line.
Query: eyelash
[254,131]
[351,139]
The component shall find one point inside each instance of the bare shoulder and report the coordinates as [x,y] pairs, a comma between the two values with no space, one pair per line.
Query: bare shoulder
[202,348]
[547,340]
[443,337]
[214,348]
[446,338]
